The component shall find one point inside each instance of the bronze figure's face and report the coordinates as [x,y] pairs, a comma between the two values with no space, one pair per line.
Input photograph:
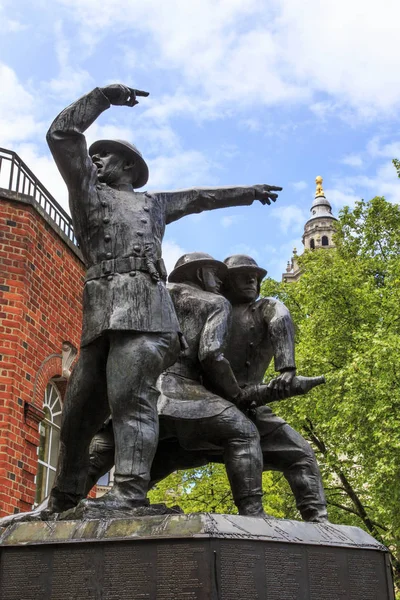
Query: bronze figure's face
[211,281]
[113,167]
[244,285]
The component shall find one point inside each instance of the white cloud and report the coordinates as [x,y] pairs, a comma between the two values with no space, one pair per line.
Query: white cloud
[334,47]
[17,109]
[71,80]
[251,124]
[378,148]
[384,182]
[352,160]
[182,169]
[230,220]
[290,217]
[171,252]
[238,53]
[269,249]
[44,168]
[338,198]
[12,26]
[299,185]
[107,132]
[245,249]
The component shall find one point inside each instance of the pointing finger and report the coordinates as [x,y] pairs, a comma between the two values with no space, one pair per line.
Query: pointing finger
[140,93]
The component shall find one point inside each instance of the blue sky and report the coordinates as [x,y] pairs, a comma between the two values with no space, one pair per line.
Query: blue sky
[241,92]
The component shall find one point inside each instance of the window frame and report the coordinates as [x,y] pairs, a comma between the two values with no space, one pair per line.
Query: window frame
[52,406]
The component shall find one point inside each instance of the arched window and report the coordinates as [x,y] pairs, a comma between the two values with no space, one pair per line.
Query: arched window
[312,244]
[49,430]
[325,241]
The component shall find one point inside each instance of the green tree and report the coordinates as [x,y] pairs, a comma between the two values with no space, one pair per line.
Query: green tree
[346,309]
[207,489]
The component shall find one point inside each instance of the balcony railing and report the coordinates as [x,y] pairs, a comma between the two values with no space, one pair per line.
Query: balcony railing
[15,176]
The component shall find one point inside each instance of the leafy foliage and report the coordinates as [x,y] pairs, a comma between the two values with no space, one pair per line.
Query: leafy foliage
[207,489]
[346,308]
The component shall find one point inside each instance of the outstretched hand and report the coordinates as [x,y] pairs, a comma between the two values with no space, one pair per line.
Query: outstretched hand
[122,95]
[264,193]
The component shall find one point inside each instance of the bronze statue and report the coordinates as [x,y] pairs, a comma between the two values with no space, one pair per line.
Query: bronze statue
[259,330]
[193,419]
[130,330]
[262,329]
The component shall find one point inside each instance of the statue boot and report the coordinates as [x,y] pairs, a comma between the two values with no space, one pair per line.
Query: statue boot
[315,513]
[306,484]
[251,506]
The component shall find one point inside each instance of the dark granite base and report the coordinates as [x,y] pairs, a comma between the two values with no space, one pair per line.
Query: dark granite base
[191,557]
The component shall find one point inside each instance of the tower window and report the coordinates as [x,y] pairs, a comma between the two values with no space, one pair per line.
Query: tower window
[325,241]
[312,244]
[49,430]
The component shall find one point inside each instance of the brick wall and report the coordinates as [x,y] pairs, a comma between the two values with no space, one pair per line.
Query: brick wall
[41,280]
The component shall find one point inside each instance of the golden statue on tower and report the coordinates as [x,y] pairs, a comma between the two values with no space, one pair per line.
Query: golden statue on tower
[320,190]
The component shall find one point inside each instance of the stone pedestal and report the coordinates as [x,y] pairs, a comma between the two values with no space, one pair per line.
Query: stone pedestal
[191,557]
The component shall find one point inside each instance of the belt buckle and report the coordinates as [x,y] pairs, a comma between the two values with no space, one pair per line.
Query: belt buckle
[107,267]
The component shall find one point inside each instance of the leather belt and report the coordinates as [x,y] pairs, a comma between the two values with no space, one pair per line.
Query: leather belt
[126,264]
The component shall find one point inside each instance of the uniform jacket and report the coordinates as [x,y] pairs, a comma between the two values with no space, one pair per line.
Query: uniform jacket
[205,320]
[113,223]
[260,331]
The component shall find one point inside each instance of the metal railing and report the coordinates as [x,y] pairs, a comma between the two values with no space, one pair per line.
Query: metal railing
[15,176]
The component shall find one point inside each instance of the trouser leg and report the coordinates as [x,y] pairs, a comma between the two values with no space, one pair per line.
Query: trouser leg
[101,455]
[284,449]
[85,409]
[239,438]
[243,460]
[134,364]
[169,457]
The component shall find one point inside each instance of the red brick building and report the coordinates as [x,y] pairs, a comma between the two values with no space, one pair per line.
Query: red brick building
[41,280]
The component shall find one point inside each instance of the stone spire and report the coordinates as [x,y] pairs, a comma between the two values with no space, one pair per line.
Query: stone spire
[318,230]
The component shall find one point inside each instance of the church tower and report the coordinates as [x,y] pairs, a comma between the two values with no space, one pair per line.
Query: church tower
[318,231]
[320,226]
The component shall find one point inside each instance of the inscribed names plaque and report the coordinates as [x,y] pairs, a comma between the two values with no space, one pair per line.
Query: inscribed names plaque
[286,572]
[192,557]
[24,575]
[242,571]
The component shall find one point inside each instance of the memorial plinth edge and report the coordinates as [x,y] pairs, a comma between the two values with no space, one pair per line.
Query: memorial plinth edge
[198,525]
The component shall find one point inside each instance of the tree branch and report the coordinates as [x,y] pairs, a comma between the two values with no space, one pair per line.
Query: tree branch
[354,512]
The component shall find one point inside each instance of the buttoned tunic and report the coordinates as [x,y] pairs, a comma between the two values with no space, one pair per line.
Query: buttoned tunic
[114,224]
[260,331]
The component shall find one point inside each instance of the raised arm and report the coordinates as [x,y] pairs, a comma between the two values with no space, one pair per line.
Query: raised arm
[185,202]
[65,136]
[67,142]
